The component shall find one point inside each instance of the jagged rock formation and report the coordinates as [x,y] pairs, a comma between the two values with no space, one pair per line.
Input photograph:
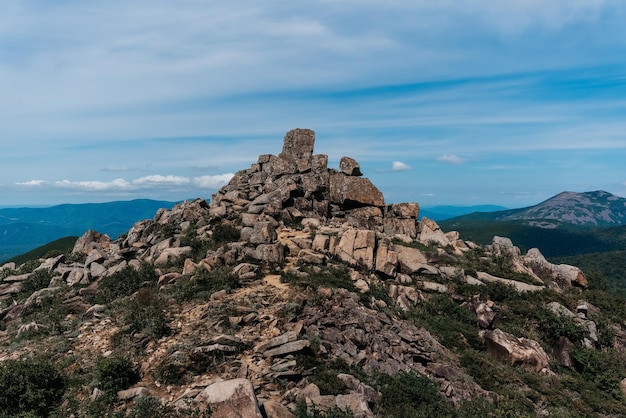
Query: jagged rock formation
[291,215]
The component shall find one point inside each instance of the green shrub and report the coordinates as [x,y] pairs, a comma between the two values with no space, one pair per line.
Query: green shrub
[409,395]
[316,277]
[31,386]
[145,313]
[203,284]
[304,411]
[149,407]
[452,324]
[37,281]
[113,374]
[125,282]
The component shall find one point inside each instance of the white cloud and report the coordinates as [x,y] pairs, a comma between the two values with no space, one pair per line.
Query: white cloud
[400,166]
[33,183]
[451,158]
[146,183]
[212,182]
[117,184]
[161,180]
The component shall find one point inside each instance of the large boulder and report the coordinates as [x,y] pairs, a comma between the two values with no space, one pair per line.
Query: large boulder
[356,247]
[561,276]
[516,351]
[230,399]
[352,192]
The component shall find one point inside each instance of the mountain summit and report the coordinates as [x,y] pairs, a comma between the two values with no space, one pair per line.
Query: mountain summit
[298,292]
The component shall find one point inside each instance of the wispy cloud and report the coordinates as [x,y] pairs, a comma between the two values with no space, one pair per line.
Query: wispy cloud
[400,166]
[31,183]
[451,158]
[143,183]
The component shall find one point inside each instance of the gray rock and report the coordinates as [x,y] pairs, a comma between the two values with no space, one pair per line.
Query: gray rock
[287,348]
[350,167]
[132,393]
[274,409]
[230,399]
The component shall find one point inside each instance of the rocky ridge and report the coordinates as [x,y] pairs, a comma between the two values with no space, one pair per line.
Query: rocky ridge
[283,223]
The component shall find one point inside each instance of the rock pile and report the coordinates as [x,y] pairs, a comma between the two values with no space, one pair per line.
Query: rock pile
[292,210]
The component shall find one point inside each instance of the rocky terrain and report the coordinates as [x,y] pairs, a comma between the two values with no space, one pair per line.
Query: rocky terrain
[299,292]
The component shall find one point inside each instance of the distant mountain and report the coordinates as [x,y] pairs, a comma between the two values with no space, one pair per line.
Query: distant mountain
[598,208]
[577,228]
[440,213]
[23,229]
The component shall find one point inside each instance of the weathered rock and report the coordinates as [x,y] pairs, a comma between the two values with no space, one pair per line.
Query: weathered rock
[356,247]
[353,192]
[429,231]
[10,288]
[484,315]
[410,260]
[395,226]
[519,286]
[350,167]
[309,391]
[366,218]
[230,399]
[274,409]
[355,385]
[273,253]
[311,257]
[402,210]
[386,259]
[77,276]
[172,254]
[355,403]
[298,148]
[133,393]
[288,348]
[562,276]
[89,241]
[512,350]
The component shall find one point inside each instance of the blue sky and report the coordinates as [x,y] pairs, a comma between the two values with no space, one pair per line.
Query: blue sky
[460,102]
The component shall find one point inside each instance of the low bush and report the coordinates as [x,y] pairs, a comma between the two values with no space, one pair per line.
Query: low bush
[203,284]
[305,411]
[409,395]
[37,281]
[145,313]
[116,373]
[29,388]
[125,282]
[315,277]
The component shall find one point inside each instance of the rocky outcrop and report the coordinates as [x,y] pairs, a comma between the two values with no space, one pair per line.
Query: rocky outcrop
[561,276]
[516,351]
[290,214]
